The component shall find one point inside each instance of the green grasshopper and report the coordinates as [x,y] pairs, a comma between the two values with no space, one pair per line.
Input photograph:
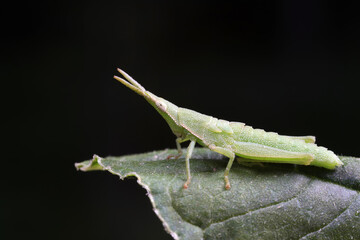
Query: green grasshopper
[233,138]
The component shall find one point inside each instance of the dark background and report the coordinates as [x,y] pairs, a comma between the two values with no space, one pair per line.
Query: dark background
[285,66]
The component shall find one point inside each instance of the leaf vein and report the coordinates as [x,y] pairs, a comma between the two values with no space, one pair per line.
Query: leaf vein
[266,206]
[320,229]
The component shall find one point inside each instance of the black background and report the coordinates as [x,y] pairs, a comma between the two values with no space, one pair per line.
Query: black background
[285,66]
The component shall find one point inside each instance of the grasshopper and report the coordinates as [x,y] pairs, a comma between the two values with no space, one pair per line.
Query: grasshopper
[233,138]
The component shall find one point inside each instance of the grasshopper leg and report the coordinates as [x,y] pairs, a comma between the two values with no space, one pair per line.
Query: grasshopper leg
[231,156]
[178,146]
[254,152]
[307,139]
[187,162]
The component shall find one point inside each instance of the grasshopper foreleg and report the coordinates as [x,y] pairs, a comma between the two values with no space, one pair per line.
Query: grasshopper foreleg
[178,146]
[187,162]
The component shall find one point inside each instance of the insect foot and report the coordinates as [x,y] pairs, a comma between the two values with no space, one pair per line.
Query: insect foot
[227,183]
[186,184]
[174,156]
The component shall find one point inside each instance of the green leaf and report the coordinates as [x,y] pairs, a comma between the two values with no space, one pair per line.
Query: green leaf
[268,201]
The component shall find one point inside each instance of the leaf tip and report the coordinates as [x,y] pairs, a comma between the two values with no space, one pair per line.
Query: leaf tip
[89,165]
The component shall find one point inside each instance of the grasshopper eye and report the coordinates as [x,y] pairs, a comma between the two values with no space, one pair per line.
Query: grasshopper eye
[161,105]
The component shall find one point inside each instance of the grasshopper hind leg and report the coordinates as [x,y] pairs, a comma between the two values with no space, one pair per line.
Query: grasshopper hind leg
[307,139]
[231,156]
[254,152]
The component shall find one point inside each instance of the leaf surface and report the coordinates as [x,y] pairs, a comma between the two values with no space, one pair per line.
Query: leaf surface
[267,201]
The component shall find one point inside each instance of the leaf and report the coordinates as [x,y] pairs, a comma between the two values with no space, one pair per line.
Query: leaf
[268,201]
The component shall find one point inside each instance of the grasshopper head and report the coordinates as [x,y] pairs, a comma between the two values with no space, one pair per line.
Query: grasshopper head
[166,109]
